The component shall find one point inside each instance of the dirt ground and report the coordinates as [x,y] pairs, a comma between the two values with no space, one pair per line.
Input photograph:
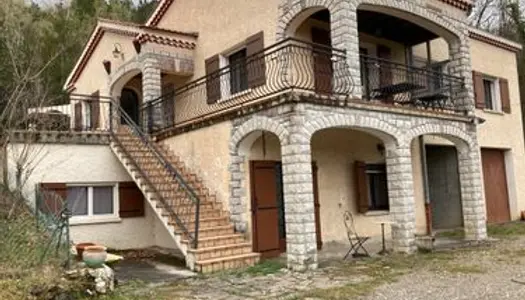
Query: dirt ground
[492,271]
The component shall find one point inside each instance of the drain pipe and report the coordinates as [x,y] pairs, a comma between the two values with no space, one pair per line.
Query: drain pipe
[426,193]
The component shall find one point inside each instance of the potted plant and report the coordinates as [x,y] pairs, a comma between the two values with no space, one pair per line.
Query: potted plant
[94,256]
[80,249]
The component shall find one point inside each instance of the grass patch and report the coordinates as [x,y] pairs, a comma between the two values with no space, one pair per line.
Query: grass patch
[506,230]
[266,267]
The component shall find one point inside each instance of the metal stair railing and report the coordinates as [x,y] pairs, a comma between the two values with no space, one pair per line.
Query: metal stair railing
[118,114]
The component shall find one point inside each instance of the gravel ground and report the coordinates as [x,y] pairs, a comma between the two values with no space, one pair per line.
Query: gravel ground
[482,273]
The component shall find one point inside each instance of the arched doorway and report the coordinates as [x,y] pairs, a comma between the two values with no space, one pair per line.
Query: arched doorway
[129,102]
[261,151]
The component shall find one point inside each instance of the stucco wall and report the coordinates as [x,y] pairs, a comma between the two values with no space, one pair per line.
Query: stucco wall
[84,164]
[206,152]
[503,131]
[94,76]
[221,24]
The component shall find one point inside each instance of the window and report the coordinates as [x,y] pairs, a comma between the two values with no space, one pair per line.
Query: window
[238,72]
[491,92]
[91,202]
[377,187]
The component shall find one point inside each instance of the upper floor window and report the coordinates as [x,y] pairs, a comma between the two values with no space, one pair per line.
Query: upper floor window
[234,72]
[492,94]
[238,72]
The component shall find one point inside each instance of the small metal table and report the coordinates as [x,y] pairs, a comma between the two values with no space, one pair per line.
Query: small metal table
[382,223]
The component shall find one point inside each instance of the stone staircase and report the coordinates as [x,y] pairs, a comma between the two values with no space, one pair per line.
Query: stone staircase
[219,247]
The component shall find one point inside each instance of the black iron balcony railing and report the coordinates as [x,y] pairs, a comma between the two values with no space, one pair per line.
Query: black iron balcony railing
[288,65]
[401,84]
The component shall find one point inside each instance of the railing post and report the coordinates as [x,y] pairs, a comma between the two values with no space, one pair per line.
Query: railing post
[110,116]
[197,221]
[149,121]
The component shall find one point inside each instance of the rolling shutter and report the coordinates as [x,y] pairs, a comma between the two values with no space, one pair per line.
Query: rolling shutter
[479,92]
[504,93]
[213,83]
[256,65]
[131,200]
[361,187]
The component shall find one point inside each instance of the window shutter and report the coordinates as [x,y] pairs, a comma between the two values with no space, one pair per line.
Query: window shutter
[361,187]
[95,110]
[52,197]
[131,200]
[504,93]
[213,83]
[479,91]
[78,116]
[256,65]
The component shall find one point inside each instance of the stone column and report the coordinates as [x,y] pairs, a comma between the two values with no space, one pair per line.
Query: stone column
[401,196]
[460,66]
[472,196]
[299,210]
[345,36]
[151,90]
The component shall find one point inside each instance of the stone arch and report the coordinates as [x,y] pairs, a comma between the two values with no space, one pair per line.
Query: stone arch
[292,13]
[241,140]
[257,124]
[122,75]
[388,133]
[421,15]
[461,138]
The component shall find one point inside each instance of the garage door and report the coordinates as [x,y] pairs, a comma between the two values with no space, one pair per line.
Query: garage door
[495,181]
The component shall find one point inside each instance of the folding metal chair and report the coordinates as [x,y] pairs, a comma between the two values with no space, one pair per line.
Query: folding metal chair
[356,241]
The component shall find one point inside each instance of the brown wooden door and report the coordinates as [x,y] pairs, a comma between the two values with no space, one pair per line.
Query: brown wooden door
[266,191]
[268,227]
[495,180]
[323,69]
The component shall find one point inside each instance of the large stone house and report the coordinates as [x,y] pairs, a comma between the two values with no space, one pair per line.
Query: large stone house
[265,121]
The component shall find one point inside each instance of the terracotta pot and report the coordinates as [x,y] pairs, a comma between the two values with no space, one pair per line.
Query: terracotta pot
[94,256]
[80,249]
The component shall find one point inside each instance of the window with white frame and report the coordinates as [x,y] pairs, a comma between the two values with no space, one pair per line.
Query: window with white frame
[88,202]
[492,94]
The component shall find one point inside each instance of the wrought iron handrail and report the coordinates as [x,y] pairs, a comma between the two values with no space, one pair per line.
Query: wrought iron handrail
[289,65]
[394,82]
[119,114]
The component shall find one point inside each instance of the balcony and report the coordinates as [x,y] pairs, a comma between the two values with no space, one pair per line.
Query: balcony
[316,72]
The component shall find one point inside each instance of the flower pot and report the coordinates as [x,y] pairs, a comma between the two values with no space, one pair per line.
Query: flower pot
[94,256]
[80,249]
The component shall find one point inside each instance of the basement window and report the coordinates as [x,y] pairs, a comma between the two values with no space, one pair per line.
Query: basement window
[92,202]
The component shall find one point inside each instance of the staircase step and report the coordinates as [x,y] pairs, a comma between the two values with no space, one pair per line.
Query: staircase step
[219,247]
[203,254]
[212,231]
[226,263]
[218,240]
[204,222]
